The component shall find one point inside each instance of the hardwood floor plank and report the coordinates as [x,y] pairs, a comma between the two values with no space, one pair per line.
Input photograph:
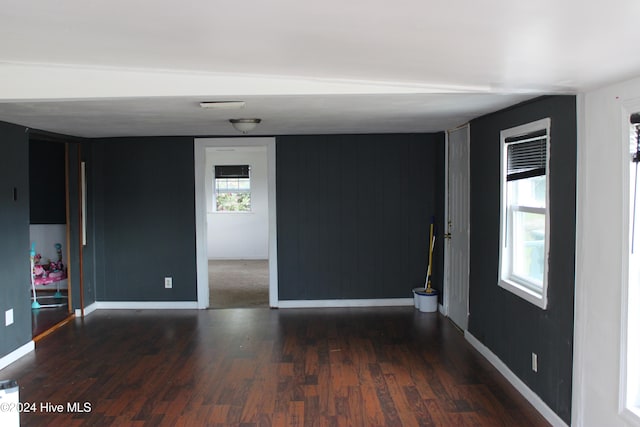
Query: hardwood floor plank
[218,414]
[384,396]
[418,407]
[439,415]
[402,405]
[259,367]
[326,395]
[354,407]
[371,408]
[311,411]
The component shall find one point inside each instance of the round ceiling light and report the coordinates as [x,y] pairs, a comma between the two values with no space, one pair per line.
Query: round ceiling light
[245,125]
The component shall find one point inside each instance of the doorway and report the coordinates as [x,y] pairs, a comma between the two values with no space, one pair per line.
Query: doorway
[49,235]
[235,222]
[457,241]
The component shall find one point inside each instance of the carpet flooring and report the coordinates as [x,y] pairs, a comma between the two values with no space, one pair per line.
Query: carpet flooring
[238,283]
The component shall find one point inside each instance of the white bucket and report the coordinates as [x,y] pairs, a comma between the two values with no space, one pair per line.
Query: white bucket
[427,302]
[416,301]
[9,398]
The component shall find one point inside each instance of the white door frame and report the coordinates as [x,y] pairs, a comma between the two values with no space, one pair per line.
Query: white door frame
[202,261]
[447,255]
[445,278]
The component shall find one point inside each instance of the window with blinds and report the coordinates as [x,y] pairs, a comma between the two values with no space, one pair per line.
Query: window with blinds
[232,188]
[526,155]
[524,207]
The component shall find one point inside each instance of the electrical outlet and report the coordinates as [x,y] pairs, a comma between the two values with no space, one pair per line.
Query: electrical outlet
[8,317]
[168,282]
[534,362]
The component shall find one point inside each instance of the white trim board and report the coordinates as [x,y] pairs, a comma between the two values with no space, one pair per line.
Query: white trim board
[87,310]
[17,354]
[140,305]
[193,305]
[522,388]
[335,303]
[442,310]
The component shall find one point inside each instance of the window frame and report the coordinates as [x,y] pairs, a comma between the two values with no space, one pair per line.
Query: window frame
[215,192]
[506,279]
[629,385]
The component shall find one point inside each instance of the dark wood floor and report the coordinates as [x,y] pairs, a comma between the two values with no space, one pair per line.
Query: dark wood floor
[44,319]
[261,367]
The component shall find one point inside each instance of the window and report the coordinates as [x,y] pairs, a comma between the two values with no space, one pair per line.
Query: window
[524,211]
[232,188]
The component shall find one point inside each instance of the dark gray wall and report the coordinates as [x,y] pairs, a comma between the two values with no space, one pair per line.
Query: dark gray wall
[354,214]
[47,192]
[14,237]
[509,326]
[143,214]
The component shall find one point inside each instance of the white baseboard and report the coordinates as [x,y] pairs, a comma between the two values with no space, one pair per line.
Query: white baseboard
[388,302]
[524,390]
[17,354]
[137,305]
[146,305]
[87,310]
[441,309]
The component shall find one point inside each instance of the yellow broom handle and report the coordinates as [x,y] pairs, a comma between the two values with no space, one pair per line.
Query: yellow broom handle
[430,245]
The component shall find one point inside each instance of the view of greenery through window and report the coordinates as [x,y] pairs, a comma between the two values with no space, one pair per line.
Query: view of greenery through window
[233,194]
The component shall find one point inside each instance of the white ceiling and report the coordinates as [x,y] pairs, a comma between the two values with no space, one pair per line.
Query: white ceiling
[119,68]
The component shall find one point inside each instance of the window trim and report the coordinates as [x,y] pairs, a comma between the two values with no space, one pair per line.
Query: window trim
[630,292]
[508,281]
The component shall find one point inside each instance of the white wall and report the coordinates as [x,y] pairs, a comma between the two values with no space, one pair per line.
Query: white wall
[242,235]
[45,236]
[602,247]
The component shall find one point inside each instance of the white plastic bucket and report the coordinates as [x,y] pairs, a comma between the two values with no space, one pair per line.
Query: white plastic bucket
[9,398]
[427,302]
[416,301]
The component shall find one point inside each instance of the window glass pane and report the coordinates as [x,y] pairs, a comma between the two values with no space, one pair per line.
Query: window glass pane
[222,185]
[528,192]
[243,184]
[528,246]
[233,202]
[232,185]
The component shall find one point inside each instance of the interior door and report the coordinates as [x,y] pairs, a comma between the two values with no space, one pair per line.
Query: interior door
[457,237]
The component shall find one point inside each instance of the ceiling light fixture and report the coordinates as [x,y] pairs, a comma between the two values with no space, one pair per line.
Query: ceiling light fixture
[222,105]
[245,125]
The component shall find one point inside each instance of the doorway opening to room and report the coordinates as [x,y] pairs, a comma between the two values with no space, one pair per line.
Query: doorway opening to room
[50,295]
[236,199]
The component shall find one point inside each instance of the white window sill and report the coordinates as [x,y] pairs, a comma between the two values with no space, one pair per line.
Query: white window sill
[524,293]
[631,415]
[231,213]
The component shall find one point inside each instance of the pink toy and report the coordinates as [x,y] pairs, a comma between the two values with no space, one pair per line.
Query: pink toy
[47,273]
[39,271]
